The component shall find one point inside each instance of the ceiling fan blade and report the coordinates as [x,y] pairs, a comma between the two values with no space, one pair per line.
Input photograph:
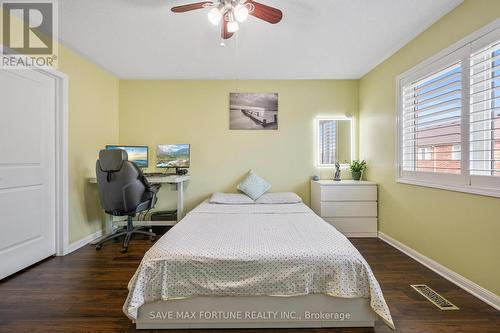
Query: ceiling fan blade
[192,6]
[224,33]
[266,13]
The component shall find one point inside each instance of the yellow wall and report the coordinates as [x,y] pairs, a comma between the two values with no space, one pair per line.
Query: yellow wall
[93,121]
[197,112]
[457,230]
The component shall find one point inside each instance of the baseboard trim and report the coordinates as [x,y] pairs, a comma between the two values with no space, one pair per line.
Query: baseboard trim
[476,290]
[360,234]
[84,241]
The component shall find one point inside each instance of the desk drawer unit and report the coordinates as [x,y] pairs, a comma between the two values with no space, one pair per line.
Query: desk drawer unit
[350,206]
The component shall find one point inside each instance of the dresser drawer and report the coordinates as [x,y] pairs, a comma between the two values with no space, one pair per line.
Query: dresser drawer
[355,226]
[349,193]
[349,209]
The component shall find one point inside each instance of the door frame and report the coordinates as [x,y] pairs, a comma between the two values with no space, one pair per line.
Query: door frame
[61,159]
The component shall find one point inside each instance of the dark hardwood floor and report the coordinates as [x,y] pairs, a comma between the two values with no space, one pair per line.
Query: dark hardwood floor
[85,291]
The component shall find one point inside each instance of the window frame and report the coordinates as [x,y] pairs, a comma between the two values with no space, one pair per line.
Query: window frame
[458,52]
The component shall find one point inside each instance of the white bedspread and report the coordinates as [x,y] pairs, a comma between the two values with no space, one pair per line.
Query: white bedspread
[275,250]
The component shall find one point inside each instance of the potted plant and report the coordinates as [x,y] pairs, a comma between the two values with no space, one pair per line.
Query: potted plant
[357,167]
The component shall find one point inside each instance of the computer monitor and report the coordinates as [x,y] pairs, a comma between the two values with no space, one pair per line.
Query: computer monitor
[136,154]
[173,156]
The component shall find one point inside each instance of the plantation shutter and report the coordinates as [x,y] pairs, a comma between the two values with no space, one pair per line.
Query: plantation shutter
[431,123]
[449,118]
[484,129]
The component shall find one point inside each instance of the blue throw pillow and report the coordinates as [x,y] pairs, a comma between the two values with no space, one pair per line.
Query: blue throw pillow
[254,186]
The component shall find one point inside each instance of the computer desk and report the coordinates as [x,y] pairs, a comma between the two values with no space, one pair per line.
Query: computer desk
[178,181]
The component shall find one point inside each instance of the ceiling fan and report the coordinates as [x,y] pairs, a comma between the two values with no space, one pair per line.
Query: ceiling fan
[229,13]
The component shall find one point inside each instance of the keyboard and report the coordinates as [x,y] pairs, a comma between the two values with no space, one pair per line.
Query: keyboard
[154,174]
[158,174]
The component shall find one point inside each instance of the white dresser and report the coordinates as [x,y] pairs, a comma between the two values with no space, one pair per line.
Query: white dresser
[349,205]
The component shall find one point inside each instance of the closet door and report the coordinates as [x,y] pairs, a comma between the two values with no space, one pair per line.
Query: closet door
[27,169]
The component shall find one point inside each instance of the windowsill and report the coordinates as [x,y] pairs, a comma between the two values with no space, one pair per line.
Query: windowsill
[489,192]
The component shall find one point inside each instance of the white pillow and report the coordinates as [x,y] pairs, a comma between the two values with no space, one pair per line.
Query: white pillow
[253,185]
[279,198]
[230,199]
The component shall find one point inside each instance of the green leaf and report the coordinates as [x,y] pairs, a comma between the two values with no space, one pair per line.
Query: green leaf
[357,165]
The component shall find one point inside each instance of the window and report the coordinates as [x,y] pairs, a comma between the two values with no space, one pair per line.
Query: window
[449,117]
[425,153]
[485,111]
[456,154]
[431,121]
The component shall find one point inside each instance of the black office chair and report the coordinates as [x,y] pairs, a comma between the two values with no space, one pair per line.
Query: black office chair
[124,191]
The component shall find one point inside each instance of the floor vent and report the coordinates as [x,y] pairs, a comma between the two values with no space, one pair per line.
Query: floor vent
[434,297]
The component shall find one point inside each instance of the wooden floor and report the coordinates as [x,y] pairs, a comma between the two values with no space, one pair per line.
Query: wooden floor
[85,291]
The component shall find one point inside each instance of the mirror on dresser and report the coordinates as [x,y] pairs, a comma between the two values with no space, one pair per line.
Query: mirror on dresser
[333,141]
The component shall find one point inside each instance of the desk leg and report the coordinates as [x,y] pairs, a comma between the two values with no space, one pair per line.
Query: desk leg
[180,201]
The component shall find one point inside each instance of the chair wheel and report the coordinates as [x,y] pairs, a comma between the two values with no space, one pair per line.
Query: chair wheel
[124,249]
[98,247]
[153,238]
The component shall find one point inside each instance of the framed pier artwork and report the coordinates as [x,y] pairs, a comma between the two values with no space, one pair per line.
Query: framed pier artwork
[253,111]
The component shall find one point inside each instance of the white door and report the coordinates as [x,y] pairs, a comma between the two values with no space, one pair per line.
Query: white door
[27,169]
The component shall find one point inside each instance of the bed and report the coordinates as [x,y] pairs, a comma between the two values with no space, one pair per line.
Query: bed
[254,265]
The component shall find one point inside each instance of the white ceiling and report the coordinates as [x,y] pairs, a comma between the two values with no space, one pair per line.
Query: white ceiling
[320,39]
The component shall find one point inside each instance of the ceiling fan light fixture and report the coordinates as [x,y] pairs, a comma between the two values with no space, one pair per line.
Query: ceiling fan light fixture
[241,13]
[214,16]
[232,26]
[228,14]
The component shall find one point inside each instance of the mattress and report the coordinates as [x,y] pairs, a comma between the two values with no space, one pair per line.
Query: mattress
[250,250]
